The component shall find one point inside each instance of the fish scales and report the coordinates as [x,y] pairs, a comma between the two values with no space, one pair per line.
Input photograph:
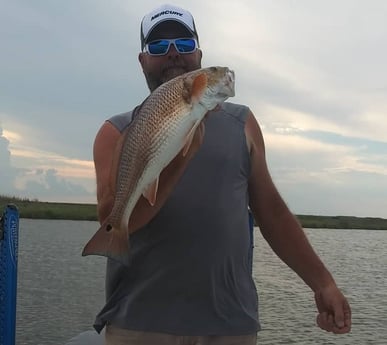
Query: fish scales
[162,126]
[155,123]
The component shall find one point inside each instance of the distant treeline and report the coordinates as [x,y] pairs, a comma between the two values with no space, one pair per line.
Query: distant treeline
[53,210]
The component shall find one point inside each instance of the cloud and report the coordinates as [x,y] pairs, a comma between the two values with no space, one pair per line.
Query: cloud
[321,59]
[42,181]
[47,185]
[7,173]
[67,70]
[322,171]
[313,73]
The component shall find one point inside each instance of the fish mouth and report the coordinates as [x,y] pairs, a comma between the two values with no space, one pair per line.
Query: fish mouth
[231,75]
[229,84]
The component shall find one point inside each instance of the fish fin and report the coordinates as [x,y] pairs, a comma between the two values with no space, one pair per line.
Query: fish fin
[150,193]
[109,241]
[189,138]
[198,86]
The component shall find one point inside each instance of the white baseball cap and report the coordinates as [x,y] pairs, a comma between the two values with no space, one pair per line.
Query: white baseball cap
[166,13]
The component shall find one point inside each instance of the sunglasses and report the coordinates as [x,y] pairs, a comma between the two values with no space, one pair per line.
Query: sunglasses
[161,47]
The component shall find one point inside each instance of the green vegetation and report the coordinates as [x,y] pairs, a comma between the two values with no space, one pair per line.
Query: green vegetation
[342,222]
[51,210]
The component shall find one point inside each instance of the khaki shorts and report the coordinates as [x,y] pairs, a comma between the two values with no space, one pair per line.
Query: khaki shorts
[119,336]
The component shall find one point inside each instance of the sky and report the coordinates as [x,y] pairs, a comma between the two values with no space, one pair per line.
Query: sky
[314,74]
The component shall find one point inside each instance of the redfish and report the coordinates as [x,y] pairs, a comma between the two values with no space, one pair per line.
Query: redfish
[164,126]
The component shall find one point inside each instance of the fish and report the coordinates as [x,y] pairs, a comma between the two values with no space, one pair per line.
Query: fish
[163,127]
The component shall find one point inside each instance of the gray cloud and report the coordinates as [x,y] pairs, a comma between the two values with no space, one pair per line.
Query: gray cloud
[39,184]
[6,171]
[67,66]
[51,185]
[276,90]
[66,69]
[347,193]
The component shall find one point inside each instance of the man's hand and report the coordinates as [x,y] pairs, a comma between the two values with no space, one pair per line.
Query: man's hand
[334,310]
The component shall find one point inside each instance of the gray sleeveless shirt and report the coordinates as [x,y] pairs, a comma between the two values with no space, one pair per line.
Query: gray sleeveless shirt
[190,270]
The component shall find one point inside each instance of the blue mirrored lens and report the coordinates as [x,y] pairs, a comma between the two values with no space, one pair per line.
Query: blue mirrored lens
[185,45]
[158,47]
[161,47]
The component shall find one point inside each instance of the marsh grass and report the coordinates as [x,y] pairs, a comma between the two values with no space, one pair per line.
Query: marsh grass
[50,210]
[342,222]
[36,209]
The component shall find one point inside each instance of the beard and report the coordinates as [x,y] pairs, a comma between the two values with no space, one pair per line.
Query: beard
[155,78]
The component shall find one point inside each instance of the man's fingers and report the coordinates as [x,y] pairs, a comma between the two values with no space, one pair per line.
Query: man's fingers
[347,316]
[339,317]
[342,316]
[326,321]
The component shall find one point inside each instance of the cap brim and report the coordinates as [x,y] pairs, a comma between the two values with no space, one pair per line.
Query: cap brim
[167,29]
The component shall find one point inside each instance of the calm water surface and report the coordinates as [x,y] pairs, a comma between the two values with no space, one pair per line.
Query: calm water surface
[59,292]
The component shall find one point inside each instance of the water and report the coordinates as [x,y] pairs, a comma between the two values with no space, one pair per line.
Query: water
[358,261]
[60,292]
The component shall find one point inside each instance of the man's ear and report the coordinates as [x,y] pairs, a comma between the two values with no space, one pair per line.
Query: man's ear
[141,59]
[200,53]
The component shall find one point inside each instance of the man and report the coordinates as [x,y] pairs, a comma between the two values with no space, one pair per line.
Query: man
[189,279]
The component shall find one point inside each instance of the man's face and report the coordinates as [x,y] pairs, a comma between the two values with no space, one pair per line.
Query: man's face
[159,69]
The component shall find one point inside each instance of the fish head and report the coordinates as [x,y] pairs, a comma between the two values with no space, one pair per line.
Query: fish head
[220,86]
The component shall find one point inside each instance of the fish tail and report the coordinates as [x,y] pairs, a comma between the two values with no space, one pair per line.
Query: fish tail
[109,241]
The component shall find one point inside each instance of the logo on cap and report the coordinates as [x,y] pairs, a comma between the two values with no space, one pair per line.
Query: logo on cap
[166,13]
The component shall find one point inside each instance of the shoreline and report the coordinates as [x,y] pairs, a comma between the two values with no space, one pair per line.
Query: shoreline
[34,209]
